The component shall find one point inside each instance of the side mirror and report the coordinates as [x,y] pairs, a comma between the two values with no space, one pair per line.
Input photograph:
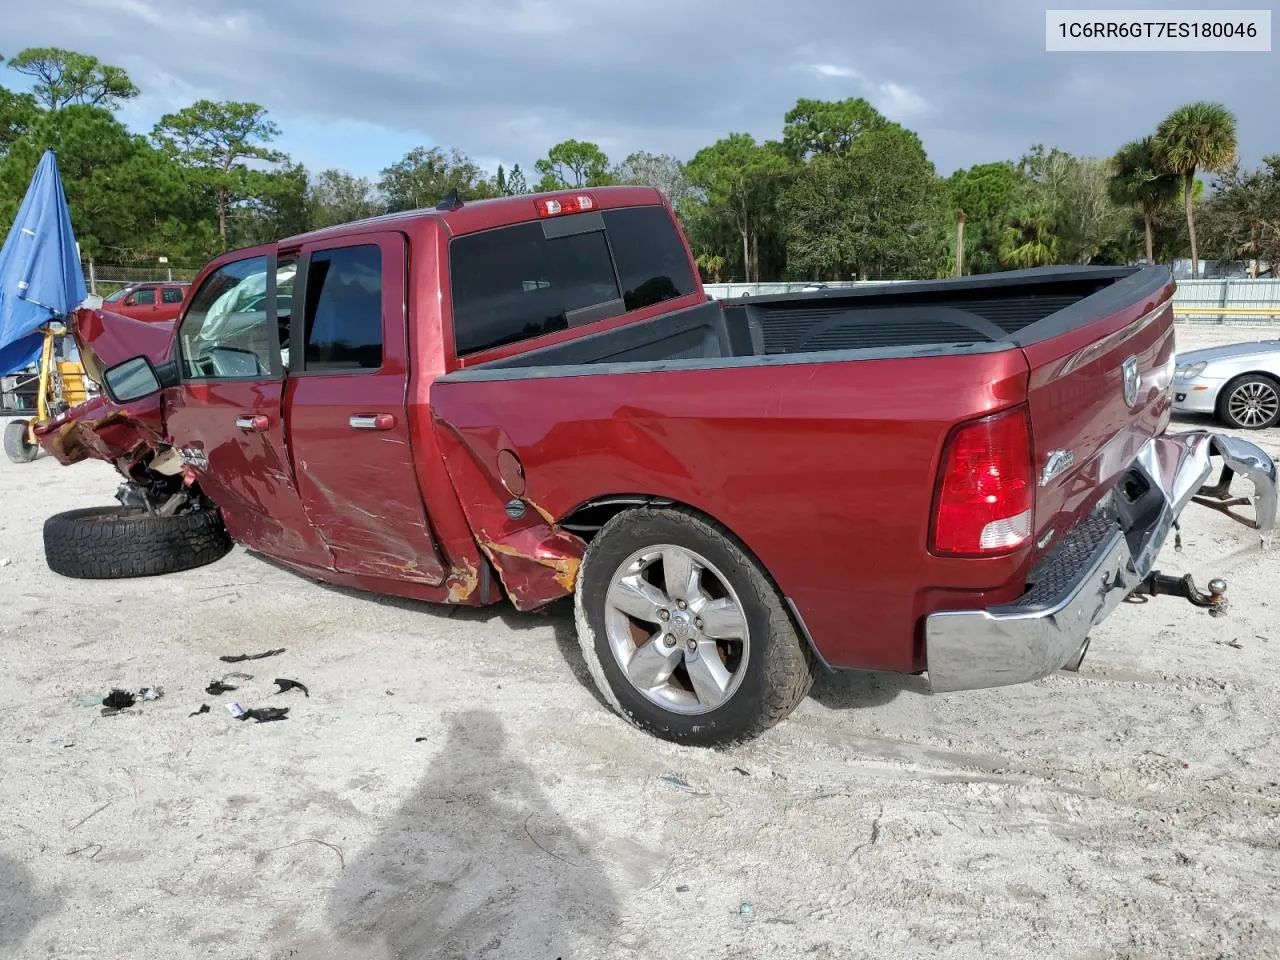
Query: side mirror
[131,300]
[131,380]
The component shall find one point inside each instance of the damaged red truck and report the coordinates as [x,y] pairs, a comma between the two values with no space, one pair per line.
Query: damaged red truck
[532,397]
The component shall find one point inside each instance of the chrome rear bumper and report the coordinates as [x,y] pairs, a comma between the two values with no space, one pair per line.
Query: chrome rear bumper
[1093,570]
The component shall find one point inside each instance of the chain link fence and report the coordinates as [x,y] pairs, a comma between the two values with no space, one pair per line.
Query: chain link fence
[104,279]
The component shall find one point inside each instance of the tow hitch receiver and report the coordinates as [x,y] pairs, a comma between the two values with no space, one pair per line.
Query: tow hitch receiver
[1162,584]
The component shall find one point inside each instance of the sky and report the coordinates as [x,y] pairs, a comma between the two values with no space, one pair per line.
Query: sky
[356,85]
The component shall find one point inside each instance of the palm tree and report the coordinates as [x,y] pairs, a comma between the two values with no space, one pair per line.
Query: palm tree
[1028,240]
[713,263]
[1196,136]
[1138,182]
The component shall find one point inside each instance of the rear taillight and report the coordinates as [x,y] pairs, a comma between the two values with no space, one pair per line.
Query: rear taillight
[985,488]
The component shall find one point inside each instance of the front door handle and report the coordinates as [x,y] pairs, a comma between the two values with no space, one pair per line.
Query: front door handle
[372,421]
[254,424]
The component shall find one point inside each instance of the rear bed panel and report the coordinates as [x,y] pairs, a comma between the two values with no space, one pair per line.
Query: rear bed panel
[825,470]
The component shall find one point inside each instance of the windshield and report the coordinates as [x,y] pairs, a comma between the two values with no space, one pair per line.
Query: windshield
[118,295]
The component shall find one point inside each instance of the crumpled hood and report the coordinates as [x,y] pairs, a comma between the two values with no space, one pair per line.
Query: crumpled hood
[106,338]
[1229,352]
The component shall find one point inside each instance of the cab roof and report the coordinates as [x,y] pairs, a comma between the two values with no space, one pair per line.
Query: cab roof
[475,215]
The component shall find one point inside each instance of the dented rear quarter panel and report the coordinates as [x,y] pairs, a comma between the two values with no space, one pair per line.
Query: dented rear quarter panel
[824,470]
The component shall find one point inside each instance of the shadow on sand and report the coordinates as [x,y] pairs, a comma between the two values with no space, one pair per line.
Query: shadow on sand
[21,905]
[476,863]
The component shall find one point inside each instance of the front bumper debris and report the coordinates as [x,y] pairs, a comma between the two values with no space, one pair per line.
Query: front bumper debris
[1108,557]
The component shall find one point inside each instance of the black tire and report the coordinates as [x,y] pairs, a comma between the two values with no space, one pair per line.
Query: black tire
[1266,390]
[778,666]
[109,543]
[16,445]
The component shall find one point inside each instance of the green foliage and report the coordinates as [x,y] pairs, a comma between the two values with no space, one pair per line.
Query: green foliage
[741,180]
[63,77]
[988,193]
[335,196]
[1140,184]
[122,192]
[1242,220]
[18,111]
[423,177]
[278,206]
[814,128]
[657,170]
[843,193]
[573,163]
[510,184]
[214,140]
[1196,136]
[1029,239]
[875,210]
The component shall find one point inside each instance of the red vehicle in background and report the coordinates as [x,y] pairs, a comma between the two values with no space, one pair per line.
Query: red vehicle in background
[152,302]
[531,398]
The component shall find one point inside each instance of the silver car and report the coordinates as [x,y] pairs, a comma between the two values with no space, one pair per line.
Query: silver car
[1238,383]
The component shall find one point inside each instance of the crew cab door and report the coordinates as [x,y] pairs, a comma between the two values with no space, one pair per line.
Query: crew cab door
[346,409]
[225,415]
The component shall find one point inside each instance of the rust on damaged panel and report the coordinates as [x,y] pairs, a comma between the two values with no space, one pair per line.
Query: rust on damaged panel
[536,565]
[462,582]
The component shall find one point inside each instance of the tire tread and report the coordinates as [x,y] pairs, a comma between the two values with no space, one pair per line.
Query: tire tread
[89,544]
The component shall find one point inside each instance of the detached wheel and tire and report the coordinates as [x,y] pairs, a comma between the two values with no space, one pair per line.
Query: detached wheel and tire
[683,633]
[109,543]
[17,446]
[1251,402]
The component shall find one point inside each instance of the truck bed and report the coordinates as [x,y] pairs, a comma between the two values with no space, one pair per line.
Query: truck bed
[945,317]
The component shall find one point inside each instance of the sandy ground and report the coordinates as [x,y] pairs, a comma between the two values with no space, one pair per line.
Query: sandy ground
[453,788]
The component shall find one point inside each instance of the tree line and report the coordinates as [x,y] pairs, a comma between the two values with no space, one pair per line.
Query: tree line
[842,193]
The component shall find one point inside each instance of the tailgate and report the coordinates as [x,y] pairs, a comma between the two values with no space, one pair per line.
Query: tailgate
[1098,390]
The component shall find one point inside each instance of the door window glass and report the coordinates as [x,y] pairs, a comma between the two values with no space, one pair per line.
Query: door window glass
[226,333]
[344,309]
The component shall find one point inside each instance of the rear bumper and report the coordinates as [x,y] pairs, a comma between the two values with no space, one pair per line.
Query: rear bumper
[1092,571]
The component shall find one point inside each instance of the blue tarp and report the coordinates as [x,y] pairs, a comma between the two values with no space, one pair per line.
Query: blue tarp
[40,273]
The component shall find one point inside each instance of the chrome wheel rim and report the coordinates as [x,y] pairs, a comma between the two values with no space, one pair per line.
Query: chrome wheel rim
[1254,403]
[677,629]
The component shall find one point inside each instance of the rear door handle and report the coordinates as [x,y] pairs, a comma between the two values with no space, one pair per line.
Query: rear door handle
[254,424]
[372,421]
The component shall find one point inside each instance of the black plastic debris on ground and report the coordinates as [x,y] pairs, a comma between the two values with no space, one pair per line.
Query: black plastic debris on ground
[258,714]
[118,700]
[204,708]
[217,688]
[240,658]
[287,685]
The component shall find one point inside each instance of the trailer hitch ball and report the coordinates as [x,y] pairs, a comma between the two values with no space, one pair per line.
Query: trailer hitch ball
[1215,601]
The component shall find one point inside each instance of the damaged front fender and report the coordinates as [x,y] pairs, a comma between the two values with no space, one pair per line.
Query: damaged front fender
[99,429]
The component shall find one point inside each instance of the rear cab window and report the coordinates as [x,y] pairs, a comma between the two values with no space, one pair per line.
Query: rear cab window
[514,283]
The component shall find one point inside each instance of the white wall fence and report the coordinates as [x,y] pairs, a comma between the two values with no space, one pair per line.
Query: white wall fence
[1235,295]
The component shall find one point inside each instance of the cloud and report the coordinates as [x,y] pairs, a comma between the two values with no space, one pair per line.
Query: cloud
[508,78]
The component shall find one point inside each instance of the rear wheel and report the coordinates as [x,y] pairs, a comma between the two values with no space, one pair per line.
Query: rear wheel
[17,445]
[682,631]
[1251,402]
[108,543]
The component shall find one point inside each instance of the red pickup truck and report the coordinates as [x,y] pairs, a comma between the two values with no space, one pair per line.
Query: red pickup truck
[532,397]
[149,301]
